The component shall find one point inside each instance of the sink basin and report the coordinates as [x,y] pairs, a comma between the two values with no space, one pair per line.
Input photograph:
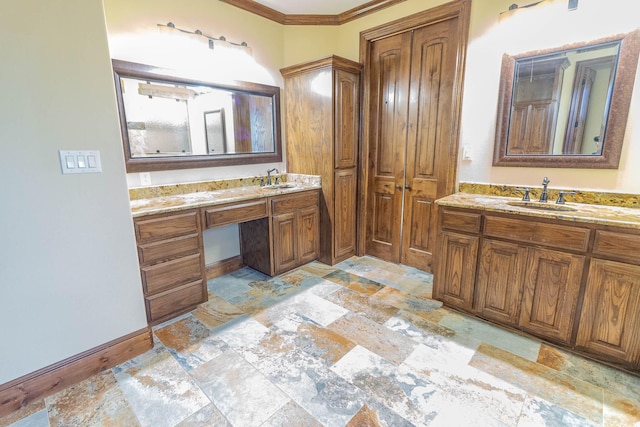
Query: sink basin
[541,206]
[278,186]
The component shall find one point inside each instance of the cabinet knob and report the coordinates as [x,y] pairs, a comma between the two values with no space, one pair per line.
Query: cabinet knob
[398,186]
[407,187]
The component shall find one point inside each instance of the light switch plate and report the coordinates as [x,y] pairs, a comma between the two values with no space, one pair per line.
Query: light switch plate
[80,161]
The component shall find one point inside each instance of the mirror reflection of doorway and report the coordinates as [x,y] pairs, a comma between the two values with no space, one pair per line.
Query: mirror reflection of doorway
[215,131]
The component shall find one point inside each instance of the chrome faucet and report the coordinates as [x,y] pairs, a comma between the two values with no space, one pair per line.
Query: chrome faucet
[544,196]
[269,174]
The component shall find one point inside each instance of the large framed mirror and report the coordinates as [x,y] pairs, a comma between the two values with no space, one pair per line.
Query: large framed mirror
[170,120]
[566,107]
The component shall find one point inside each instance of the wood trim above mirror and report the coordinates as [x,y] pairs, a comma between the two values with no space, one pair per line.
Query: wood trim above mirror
[124,69]
[616,120]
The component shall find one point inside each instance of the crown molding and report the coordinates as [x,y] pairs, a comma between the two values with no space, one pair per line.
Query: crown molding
[295,19]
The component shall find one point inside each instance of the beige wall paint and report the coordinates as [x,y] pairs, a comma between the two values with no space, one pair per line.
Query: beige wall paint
[69,278]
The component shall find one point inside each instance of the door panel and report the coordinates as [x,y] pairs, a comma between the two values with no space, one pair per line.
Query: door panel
[551,288]
[429,139]
[389,85]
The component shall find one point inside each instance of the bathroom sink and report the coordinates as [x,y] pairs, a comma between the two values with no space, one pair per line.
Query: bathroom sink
[541,206]
[278,186]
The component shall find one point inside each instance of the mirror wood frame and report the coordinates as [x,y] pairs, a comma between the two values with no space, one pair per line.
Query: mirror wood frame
[616,118]
[147,164]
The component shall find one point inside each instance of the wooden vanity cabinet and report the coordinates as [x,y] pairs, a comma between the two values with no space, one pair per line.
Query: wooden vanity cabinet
[171,258]
[610,315]
[287,238]
[577,285]
[295,224]
[322,126]
[457,255]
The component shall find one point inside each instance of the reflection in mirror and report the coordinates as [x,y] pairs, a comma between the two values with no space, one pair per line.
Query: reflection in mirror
[566,107]
[172,122]
[559,101]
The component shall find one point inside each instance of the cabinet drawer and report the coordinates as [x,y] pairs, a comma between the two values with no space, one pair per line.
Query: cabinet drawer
[626,246]
[234,213]
[285,204]
[175,300]
[165,250]
[158,228]
[461,221]
[531,231]
[160,277]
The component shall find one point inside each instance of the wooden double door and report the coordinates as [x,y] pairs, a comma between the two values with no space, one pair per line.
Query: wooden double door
[414,83]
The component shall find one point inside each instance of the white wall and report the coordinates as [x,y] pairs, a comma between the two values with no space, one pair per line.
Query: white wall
[551,25]
[69,279]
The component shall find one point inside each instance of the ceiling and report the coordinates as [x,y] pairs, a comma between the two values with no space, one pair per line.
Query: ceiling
[312,12]
[311,7]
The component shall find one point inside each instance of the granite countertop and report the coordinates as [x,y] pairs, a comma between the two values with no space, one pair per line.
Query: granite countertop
[177,202]
[595,214]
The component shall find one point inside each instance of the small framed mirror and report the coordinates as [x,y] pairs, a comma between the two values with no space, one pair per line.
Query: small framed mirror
[172,121]
[566,107]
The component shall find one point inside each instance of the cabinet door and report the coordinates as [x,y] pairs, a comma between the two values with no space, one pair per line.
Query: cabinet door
[285,249]
[346,116]
[500,279]
[456,273]
[611,312]
[307,224]
[551,286]
[344,231]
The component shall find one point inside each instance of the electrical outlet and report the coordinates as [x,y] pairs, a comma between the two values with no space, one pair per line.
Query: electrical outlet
[145,178]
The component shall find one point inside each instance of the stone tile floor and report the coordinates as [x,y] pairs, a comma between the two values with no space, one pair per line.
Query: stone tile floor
[357,344]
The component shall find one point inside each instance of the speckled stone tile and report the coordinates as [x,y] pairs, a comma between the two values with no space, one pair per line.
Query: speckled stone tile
[322,343]
[471,331]
[36,419]
[235,284]
[405,301]
[158,389]
[318,268]
[613,380]
[205,417]
[537,412]
[242,394]
[96,401]
[376,414]
[31,410]
[362,305]
[291,414]
[354,282]
[304,306]
[216,311]
[406,393]
[576,396]
[391,345]
[620,411]
[323,394]
[190,342]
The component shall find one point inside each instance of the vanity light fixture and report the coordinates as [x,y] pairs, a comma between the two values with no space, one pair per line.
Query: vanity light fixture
[213,42]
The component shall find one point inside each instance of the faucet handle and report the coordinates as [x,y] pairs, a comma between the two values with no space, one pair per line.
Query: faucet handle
[525,190]
[560,200]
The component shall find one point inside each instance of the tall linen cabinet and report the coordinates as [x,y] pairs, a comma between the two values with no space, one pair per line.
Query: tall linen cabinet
[322,121]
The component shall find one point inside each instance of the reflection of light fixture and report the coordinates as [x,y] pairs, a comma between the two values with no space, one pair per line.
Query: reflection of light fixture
[213,42]
[182,93]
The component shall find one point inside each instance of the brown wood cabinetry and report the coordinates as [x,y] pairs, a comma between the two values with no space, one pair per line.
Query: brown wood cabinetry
[295,231]
[285,239]
[171,263]
[577,285]
[611,312]
[457,270]
[322,125]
